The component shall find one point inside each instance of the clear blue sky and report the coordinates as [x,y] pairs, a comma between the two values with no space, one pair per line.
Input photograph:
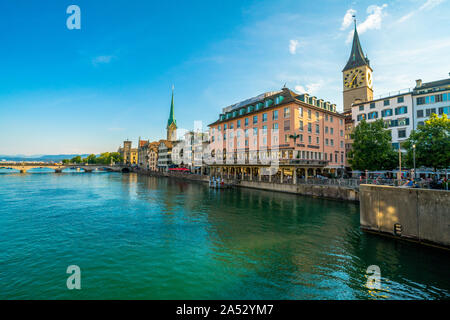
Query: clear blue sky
[85,91]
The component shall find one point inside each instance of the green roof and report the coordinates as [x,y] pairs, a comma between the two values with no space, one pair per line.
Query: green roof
[356,58]
[172,114]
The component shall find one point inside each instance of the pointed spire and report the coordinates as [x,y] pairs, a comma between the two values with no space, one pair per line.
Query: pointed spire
[172,112]
[356,58]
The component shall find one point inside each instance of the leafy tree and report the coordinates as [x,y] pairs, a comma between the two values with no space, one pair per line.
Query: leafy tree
[65,161]
[372,147]
[76,159]
[432,141]
[91,159]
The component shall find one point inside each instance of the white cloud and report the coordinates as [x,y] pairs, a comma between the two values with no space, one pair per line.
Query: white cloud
[311,88]
[348,18]
[293,45]
[102,60]
[373,20]
[428,5]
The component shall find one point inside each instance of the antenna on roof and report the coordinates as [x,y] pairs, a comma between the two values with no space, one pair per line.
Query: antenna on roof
[284,85]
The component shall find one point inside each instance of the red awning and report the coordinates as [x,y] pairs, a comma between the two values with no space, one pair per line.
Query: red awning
[178,169]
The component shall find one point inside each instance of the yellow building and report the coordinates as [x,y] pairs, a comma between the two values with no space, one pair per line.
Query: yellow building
[129,154]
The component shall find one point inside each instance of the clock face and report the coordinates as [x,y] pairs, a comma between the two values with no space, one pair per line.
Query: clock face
[354,78]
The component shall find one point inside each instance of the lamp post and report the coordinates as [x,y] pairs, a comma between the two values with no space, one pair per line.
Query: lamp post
[414,160]
[295,137]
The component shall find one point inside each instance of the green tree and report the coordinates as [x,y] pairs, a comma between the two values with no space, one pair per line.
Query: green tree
[91,159]
[65,161]
[372,147]
[432,141]
[76,159]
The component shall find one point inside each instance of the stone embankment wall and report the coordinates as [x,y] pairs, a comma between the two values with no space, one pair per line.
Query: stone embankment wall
[422,215]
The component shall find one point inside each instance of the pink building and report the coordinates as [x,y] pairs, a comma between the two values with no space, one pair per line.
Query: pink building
[299,134]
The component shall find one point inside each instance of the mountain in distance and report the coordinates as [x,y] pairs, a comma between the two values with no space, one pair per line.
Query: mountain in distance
[40,157]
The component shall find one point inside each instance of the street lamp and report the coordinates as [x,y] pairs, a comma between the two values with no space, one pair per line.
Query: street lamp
[295,137]
[414,160]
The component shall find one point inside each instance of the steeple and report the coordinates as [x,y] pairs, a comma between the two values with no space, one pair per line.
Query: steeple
[172,113]
[357,58]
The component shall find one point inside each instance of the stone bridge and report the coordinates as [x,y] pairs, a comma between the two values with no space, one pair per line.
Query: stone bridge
[23,167]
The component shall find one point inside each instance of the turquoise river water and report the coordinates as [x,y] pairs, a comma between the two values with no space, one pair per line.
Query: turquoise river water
[139,237]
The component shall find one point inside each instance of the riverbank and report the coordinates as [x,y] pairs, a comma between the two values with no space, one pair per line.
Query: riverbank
[333,192]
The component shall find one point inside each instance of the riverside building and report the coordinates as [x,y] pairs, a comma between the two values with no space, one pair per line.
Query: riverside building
[396,111]
[293,135]
[429,98]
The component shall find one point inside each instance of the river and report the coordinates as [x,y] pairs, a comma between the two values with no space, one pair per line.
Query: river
[139,237]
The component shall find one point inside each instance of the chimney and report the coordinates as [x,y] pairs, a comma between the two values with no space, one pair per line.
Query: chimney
[418,83]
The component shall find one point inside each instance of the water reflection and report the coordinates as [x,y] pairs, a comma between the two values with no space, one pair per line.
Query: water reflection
[146,237]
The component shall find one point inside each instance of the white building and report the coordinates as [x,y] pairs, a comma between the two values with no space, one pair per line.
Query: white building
[429,98]
[396,111]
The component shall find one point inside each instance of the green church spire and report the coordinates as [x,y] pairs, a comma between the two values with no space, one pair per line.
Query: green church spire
[356,58]
[172,113]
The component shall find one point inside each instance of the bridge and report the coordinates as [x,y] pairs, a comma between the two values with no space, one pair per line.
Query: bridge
[23,167]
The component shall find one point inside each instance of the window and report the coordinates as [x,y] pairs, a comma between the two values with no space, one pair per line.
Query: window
[420,123]
[255,119]
[246,133]
[246,121]
[275,126]
[386,112]
[326,129]
[386,102]
[224,136]
[264,129]
[402,133]
[275,115]
[428,112]
[255,132]
[225,126]
[401,110]
[361,108]
[231,126]
[300,111]
[359,117]
[403,122]
[443,110]
[309,139]
[419,113]
[264,117]
[342,133]
[317,140]
[317,116]
[342,144]
[400,99]
[317,129]
[372,115]
[326,141]
[309,114]
[332,142]
[420,100]
[301,137]
[238,124]
[287,112]
[301,125]
[341,122]
[331,118]
[331,130]
[326,117]
[372,105]
[287,125]
[309,127]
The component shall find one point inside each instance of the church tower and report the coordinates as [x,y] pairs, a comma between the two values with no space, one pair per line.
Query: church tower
[171,123]
[357,76]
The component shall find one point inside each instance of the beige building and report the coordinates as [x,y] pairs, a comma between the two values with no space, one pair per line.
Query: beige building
[129,154]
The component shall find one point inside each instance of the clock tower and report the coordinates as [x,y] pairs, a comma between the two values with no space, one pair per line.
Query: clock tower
[357,76]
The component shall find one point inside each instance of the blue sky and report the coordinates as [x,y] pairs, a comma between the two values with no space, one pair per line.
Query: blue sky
[85,91]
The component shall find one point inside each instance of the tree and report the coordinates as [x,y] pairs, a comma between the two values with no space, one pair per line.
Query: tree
[372,147]
[432,141]
[76,159]
[91,159]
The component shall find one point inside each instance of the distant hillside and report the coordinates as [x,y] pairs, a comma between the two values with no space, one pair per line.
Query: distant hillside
[44,158]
